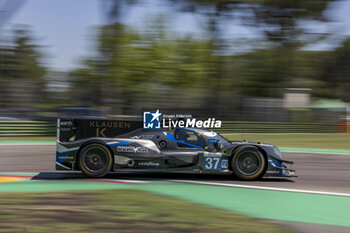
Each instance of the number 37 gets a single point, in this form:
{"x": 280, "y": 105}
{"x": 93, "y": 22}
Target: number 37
{"x": 212, "y": 163}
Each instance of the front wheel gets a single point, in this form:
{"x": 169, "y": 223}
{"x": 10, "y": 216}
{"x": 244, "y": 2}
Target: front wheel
{"x": 248, "y": 163}
{"x": 95, "y": 160}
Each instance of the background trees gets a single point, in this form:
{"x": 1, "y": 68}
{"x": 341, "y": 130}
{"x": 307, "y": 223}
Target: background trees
{"x": 22, "y": 76}
{"x": 156, "y": 67}
{"x": 133, "y": 69}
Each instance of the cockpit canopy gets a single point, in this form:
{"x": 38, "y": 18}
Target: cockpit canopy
{"x": 189, "y": 137}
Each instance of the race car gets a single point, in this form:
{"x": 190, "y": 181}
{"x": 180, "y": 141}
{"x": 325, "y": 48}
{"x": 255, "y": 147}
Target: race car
{"x": 97, "y": 147}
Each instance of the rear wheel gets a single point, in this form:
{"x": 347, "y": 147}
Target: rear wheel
{"x": 95, "y": 160}
{"x": 248, "y": 163}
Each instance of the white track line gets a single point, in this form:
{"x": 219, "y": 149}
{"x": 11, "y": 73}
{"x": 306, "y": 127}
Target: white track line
{"x": 129, "y": 181}
{"x": 264, "y": 188}
{"x": 318, "y": 152}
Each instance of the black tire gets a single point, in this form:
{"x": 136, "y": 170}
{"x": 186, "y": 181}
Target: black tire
{"x": 95, "y": 160}
{"x": 248, "y": 163}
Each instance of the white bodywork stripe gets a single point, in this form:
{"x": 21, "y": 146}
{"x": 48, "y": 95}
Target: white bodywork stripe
{"x": 144, "y": 142}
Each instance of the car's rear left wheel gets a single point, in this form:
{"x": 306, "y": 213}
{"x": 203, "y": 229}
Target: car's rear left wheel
{"x": 95, "y": 160}
{"x": 248, "y": 163}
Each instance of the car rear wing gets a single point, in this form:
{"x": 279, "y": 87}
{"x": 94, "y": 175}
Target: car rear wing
{"x": 69, "y": 130}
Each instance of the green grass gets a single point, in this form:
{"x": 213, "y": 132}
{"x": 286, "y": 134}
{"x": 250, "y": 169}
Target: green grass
{"x": 118, "y": 211}
{"x": 340, "y": 141}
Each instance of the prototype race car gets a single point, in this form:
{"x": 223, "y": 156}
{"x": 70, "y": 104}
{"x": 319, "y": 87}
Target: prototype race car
{"x": 97, "y": 147}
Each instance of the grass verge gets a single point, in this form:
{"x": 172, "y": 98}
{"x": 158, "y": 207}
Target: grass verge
{"x": 338, "y": 141}
{"x": 117, "y": 211}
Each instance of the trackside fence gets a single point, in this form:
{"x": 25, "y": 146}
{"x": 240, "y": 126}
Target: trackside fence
{"x": 278, "y": 127}
{"x": 27, "y": 129}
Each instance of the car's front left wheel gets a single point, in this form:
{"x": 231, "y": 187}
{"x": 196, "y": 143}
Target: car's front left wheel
{"x": 248, "y": 163}
{"x": 95, "y": 160}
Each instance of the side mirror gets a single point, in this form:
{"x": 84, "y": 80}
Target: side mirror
{"x": 214, "y": 141}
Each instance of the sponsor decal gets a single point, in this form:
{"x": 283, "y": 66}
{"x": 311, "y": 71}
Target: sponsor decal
{"x": 212, "y": 154}
{"x": 145, "y": 136}
{"x": 152, "y": 120}
{"x": 148, "y": 164}
{"x": 224, "y": 164}
{"x": 66, "y": 123}
{"x": 272, "y": 172}
{"x": 132, "y": 149}
{"x": 109, "y": 124}
{"x": 100, "y": 132}
{"x": 66, "y": 157}
{"x": 103, "y": 126}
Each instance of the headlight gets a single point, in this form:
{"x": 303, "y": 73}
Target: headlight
{"x": 277, "y": 150}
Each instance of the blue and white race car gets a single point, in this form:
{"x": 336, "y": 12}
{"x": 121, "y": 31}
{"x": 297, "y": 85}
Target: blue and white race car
{"x": 97, "y": 147}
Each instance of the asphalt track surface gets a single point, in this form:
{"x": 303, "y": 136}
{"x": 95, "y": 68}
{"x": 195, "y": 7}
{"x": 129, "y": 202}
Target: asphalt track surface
{"x": 316, "y": 172}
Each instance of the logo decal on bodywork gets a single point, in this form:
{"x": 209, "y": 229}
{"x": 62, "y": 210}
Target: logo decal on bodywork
{"x": 224, "y": 164}
{"x": 132, "y": 149}
{"x": 144, "y": 136}
{"x": 148, "y": 164}
{"x": 66, "y": 123}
